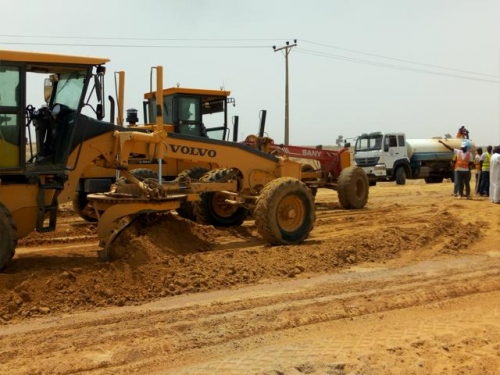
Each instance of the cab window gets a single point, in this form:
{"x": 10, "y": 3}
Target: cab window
{"x": 10, "y": 130}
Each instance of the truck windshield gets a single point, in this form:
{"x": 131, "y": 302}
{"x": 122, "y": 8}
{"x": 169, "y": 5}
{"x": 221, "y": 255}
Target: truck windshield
{"x": 69, "y": 89}
{"x": 369, "y": 143}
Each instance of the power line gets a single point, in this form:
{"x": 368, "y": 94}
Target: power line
{"x": 396, "y": 59}
{"x": 134, "y": 38}
{"x": 392, "y": 66}
{"x": 136, "y": 46}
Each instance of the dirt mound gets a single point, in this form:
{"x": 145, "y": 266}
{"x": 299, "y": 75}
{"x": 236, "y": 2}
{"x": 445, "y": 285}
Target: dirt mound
{"x": 150, "y": 238}
{"x": 165, "y": 255}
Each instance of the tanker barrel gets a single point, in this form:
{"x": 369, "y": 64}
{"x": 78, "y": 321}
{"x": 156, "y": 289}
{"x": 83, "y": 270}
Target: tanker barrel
{"x": 432, "y": 145}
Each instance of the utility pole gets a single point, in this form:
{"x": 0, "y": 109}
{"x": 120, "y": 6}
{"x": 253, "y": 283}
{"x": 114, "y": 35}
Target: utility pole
{"x": 286, "y": 51}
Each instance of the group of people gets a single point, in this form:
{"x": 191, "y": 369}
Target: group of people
{"x": 485, "y": 164}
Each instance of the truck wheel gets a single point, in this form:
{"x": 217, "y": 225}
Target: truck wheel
{"x": 186, "y": 209}
{"x": 353, "y": 188}
{"x": 212, "y": 207}
{"x": 8, "y": 237}
{"x": 284, "y": 212}
{"x": 400, "y": 176}
{"x": 434, "y": 180}
{"x": 80, "y": 202}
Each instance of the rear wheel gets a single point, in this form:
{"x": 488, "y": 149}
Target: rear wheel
{"x": 8, "y": 237}
{"x": 142, "y": 173}
{"x": 434, "y": 179}
{"x": 80, "y": 203}
{"x": 400, "y": 176}
{"x": 284, "y": 212}
{"x": 353, "y": 188}
{"x": 212, "y": 207}
{"x": 186, "y": 209}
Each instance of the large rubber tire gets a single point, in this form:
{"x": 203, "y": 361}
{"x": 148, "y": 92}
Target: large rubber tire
{"x": 143, "y": 173}
{"x": 353, "y": 188}
{"x": 284, "y": 212}
{"x": 212, "y": 208}
{"x": 400, "y": 176}
{"x": 8, "y": 237}
{"x": 186, "y": 209}
{"x": 80, "y": 201}
{"x": 434, "y": 179}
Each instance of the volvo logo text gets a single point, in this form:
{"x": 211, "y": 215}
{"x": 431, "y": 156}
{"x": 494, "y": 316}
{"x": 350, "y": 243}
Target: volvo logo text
{"x": 196, "y": 151}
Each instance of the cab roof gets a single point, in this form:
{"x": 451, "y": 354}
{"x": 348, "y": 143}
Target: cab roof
{"x": 208, "y": 95}
{"x": 40, "y": 61}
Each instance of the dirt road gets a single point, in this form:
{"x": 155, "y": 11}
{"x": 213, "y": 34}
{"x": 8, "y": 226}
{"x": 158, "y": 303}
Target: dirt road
{"x": 408, "y": 285}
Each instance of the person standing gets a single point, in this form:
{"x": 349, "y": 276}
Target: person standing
{"x": 477, "y": 167}
{"x": 495, "y": 176}
{"x": 462, "y": 168}
{"x": 484, "y": 187}
{"x": 455, "y": 181}
{"x": 462, "y": 132}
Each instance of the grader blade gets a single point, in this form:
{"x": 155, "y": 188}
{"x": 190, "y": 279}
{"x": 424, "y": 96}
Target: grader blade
{"x": 113, "y": 230}
{"x": 116, "y": 217}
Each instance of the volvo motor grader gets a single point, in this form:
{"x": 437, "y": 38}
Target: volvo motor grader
{"x": 33, "y": 181}
{"x": 191, "y": 111}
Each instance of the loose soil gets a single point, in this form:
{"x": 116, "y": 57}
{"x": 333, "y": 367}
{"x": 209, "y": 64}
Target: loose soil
{"x": 408, "y": 285}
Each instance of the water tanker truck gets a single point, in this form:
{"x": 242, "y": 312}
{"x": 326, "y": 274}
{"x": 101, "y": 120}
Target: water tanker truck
{"x": 393, "y": 157}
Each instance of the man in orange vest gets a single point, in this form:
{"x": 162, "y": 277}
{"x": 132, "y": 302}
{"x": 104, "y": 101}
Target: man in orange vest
{"x": 463, "y": 166}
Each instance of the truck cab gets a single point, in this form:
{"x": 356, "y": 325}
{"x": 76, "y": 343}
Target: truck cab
{"x": 381, "y": 155}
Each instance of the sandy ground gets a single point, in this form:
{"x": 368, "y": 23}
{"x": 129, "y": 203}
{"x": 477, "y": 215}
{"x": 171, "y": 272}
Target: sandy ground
{"x": 408, "y": 285}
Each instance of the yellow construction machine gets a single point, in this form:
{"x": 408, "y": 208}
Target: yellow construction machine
{"x": 33, "y": 181}
{"x": 191, "y": 111}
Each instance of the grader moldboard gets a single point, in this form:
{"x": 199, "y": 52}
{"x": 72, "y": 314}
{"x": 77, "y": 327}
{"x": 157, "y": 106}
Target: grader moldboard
{"x": 33, "y": 182}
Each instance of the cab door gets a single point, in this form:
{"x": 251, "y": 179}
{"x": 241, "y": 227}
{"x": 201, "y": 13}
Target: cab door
{"x": 11, "y": 117}
{"x": 394, "y": 149}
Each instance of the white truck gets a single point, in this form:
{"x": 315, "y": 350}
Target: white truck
{"x": 392, "y": 157}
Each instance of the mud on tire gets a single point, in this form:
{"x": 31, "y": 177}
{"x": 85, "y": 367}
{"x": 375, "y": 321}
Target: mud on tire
{"x": 8, "y": 237}
{"x": 212, "y": 208}
{"x": 285, "y": 213}
{"x": 353, "y": 188}
{"x": 80, "y": 201}
{"x": 186, "y": 209}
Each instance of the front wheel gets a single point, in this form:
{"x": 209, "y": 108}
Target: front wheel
{"x": 186, "y": 209}
{"x": 400, "y": 176}
{"x": 212, "y": 207}
{"x": 353, "y": 188}
{"x": 80, "y": 205}
{"x": 284, "y": 212}
{"x": 8, "y": 237}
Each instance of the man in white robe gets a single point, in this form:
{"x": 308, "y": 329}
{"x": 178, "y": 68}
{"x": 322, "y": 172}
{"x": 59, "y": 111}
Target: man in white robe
{"x": 495, "y": 175}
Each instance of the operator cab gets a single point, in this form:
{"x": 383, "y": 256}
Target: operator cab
{"x": 38, "y": 136}
{"x": 197, "y": 112}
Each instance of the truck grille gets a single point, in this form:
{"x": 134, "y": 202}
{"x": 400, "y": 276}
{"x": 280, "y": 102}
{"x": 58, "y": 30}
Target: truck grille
{"x": 367, "y": 162}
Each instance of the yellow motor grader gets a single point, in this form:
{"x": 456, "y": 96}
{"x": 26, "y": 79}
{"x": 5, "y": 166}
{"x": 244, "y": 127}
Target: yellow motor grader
{"x": 34, "y": 180}
{"x": 191, "y": 111}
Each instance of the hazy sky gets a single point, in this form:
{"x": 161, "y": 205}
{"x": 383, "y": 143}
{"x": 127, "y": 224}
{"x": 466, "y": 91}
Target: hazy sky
{"x": 424, "y": 67}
